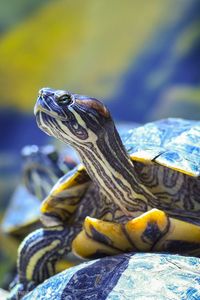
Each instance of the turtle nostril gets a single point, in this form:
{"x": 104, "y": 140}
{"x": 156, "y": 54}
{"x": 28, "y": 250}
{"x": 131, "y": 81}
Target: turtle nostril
{"x": 40, "y": 92}
{"x": 45, "y": 90}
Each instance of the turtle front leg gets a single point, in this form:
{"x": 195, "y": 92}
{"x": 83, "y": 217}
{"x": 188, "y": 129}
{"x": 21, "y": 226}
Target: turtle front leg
{"x": 38, "y": 255}
{"x": 153, "y": 231}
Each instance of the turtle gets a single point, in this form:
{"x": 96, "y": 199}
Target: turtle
{"x": 135, "y": 193}
{"x": 43, "y": 166}
{"x": 41, "y": 169}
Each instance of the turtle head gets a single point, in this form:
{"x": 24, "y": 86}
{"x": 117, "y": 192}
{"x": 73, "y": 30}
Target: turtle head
{"x": 72, "y": 118}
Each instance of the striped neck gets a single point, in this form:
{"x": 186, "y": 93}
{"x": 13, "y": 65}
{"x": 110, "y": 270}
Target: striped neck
{"x": 86, "y": 124}
{"x": 110, "y": 167}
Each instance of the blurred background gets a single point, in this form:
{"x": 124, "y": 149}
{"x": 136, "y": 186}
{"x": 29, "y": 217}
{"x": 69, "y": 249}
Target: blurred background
{"x": 142, "y": 58}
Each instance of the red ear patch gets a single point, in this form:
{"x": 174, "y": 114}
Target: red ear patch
{"x": 95, "y": 104}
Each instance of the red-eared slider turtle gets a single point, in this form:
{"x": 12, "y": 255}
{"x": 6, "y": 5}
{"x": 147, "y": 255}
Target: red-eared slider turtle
{"x": 136, "y": 194}
{"x": 41, "y": 169}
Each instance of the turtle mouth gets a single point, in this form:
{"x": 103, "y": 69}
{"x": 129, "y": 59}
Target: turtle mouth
{"x": 38, "y": 108}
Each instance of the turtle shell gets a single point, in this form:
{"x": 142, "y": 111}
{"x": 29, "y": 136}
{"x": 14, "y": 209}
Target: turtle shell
{"x": 174, "y": 143}
{"x": 125, "y": 276}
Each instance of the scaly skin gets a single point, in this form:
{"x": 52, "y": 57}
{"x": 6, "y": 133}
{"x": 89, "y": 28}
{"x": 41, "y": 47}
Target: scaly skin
{"x": 124, "y": 218}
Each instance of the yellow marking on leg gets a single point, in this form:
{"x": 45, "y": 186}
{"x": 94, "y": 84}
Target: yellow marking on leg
{"x": 86, "y": 247}
{"x": 136, "y": 227}
{"x": 37, "y": 256}
{"x": 170, "y": 230}
{"x": 180, "y": 231}
{"x": 112, "y": 232}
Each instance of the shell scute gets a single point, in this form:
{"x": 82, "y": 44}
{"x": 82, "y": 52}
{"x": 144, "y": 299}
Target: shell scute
{"x": 174, "y": 143}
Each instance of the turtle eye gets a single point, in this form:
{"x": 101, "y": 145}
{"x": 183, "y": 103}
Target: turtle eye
{"x": 64, "y": 99}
